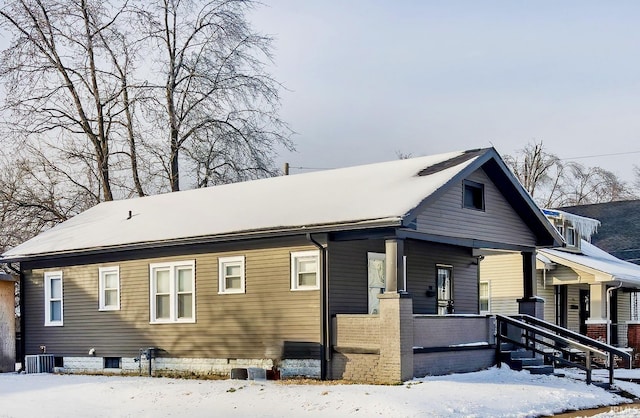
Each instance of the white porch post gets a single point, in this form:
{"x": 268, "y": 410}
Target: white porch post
{"x": 597, "y": 323}
{"x": 394, "y": 254}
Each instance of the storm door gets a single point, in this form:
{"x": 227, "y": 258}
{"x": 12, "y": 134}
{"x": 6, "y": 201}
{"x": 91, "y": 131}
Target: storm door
{"x": 376, "y": 283}
{"x": 584, "y": 310}
{"x": 445, "y": 286}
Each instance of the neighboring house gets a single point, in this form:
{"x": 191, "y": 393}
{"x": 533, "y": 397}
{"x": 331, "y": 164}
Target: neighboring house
{"x": 336, "y": 274}
{"x": 620, "y": 232}
{"x": 7, "y": 323}
{"x": 584, "y": 287}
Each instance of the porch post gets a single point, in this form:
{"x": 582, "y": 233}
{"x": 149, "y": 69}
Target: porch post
{"x": 396, "y": 320}
{"x": 597, "y": 322}
{"x": 530, "y": 304}
{"x": 394, "y": 254}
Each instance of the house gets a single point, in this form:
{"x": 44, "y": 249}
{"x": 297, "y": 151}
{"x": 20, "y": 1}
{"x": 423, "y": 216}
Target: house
{"x": 586, "y": 289}
{"x": 356, "y": 273}
{"x": 7, "y": 323}
{"x": 620, "y": 232}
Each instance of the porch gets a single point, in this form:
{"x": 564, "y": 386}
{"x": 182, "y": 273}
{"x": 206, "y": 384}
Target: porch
{"x": 377, "y": 349}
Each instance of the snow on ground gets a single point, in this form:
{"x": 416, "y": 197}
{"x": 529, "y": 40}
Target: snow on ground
{"x": 490, "y": 393}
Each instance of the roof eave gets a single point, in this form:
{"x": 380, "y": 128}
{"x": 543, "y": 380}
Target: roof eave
{"x": 236, "y": 236}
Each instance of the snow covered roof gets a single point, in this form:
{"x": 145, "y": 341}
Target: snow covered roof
{"x": 585, "y": 226}
{"x": 374, "y": 194}
{"x": 598, "y": 262}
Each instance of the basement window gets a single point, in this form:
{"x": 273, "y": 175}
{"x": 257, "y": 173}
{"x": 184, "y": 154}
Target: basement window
{"x": 113, "y": 362}
{"x": 473, "y": 195}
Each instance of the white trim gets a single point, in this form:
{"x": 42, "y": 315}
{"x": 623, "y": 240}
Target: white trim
{"x": 295, "y": 257}
{"x": 172, "y": 268}
{"x": 488, "y": 296}
{"x": 48, "y": 276}
{"x": 102, "y": 272}
{"x": 222, "y": 263}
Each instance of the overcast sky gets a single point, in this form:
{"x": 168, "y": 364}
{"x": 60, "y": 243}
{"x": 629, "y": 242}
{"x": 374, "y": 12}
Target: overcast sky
{"x": 367, "y": 79}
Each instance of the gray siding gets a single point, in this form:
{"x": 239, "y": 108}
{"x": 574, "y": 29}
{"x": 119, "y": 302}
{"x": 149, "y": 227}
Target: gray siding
{"x": 499, "y": 222}
{"x": 266, "y": 321}
{"x": 422, "y": 258}
{"x": 348, "y": 275}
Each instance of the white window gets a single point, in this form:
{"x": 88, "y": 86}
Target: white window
{"x": 53, "y": 309}
{"x": 172, "y": 290}
{"x": 305, "y": 270}
{"x": 109, "y": 286}
{"x": 485, "y": 297}
{"x": 571, "y": 236}
{"x": 231, "y": 275}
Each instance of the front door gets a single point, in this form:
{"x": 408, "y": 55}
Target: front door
{"x": 376, "y": 272}
{"x": 584, "y": 310}
{"x": 445, "y": 294}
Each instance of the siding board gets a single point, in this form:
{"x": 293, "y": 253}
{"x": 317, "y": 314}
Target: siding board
{"x": 262, "y": 323}
{"x": 499, "y": 222}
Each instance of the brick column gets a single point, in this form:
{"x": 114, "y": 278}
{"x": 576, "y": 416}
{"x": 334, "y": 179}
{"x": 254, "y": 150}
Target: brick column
{"x": 633, "y": 341}
{"x": 396, "y": 338}
{"x": 7, "y": 325}
{"x": 597, "y": 329}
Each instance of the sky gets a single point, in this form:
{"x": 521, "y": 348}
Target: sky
{"x": 490, "y": 393}
{"x": 367, "y": 80}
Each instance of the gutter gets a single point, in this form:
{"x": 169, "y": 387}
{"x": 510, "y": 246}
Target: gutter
{"x": 325, "y": 336}
{"x": 205, "y": 239}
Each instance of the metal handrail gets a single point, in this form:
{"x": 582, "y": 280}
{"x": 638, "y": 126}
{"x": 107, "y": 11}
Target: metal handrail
{"x": 562, "y": 341}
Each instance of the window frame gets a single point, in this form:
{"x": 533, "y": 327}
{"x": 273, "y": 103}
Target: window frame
{"x": 571, "y": 232}
{"x": 223, "y": 262}
{"x": 296, "y": 256}
{"x": 173, "y": 268}
{"x": 48, "y": 299}
{"x": 469, "y": 184}
{"x": 102, "y": 272}
{"x": 488, "y": 283}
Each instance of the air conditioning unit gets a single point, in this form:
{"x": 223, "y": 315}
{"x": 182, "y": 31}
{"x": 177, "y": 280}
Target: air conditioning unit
{"x": 40, "y": 363}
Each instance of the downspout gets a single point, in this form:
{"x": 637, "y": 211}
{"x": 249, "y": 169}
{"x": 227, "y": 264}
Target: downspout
{"x": 609, "y": 291}
{"x": 325, "y": 337}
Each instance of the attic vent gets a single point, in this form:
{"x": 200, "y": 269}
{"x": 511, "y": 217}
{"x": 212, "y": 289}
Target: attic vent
{"x": 452, "y": 162}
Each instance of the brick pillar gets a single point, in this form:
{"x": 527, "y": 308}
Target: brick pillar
{"x": 633, "y": 341}
{"x": 7, "y": 326}
{"x": 396, "y": 338}
{"x": 597, "y": 329}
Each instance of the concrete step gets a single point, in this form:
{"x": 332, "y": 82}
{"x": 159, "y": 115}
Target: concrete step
{"x": 543, "y": 369}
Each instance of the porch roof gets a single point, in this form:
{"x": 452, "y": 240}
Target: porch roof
{"x": 596, "y": 261}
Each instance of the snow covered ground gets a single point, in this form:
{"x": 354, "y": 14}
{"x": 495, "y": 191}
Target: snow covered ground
{"x": 489, "y": 393}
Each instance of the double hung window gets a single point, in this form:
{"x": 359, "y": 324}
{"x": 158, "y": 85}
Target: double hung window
{"x": 109, "y": 287}
{"x": 172, "y": 289}
{"x": 53, "y": 302}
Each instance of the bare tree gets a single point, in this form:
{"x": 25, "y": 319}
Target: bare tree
{"x": 555, "y": 183}
{"x": 58, "y": 81}
{"x": 220, "y": 107}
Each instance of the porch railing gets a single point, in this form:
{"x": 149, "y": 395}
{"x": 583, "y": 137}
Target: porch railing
{"x": 556, "y": 343}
